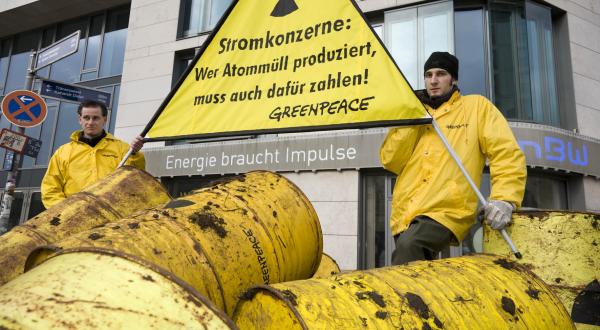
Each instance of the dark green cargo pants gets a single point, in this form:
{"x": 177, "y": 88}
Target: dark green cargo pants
{"x": 423, "y": 240}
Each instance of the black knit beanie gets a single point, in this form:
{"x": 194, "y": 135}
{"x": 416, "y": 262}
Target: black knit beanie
{"x": 443, "y": 60}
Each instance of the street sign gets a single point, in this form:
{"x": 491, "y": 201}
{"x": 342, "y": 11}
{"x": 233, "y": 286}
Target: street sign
{"x": 58, "y": 50}
{"x": 20, "y": 143}
{"x": 24, "y": 108}
{"x": 8, "y": 161}
{"x": 74, "y": 93}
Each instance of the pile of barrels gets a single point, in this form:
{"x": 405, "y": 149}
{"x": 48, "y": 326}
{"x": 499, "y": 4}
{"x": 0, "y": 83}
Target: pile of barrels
{"x": 247, "y": 253}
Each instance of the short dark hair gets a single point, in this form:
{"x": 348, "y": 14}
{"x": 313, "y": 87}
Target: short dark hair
{"x": 92, "y": 104}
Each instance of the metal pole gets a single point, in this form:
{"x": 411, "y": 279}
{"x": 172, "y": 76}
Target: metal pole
{"x": 127, "y": 155}
{"x": 11, "y": 181}
{"x": 472, "y": 184}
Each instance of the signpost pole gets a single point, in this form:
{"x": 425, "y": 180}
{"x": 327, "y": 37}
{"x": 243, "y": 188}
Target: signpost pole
{"x": 11, "y": 181}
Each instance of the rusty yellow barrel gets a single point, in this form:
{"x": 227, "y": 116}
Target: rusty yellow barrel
{"x": 327, "y": 267}
{"x": 257, "y": 228}
{"x": 475, "y": 292}
{"x": 118, "y": 195}
{"x": 87, "y": 289}
{"x": 563, "y": 249}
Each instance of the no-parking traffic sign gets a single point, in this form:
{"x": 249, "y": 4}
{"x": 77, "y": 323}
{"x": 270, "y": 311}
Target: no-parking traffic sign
{"x": 24, "y": 108}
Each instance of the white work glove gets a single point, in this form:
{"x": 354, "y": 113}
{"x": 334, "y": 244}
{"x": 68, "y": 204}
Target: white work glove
{"x": 498, "y": 214}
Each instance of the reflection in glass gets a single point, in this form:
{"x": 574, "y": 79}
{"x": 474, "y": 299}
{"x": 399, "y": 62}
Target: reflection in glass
{"x": 115, "y": 106}
{"x": 93, "y": 46}
{"x": 524, "y": 75}
{"x": 375, "y": 221}
{"x": 413, "y": 34}
{"x": 15, "y": 209}
{"x": 545, "y": 192}
{"x": 68, "y": 122}
{"x": 68, "y": 69}
{"x": 113, "y": 46}
{"x": 4, "y": 53}
{"x": 46, "y": 136}
{"x": 378, "y": 30}
{"x": 401, "y": 39}
{"x": 541, "y": 59}
{"x": 35, "y": 205}
{"x": 33, "y": 132}
{"x": 4, "y": 123}
{"x": 19, "y": 61}
{"x": 201, "y": 15}
{"x": 470, "y": 50}
{"x": 435, "y": 33}
{"x": 216, "y": 11}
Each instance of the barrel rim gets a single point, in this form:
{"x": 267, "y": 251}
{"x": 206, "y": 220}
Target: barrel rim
{"x": 253, "y": 290}
{"x": 548, "y": 211}
{"x": 161, "y": 271}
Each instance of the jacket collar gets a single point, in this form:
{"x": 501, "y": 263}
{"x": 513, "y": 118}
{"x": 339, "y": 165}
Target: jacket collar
{"x": 75, "y": 138}
{"x": 445, "y": 107}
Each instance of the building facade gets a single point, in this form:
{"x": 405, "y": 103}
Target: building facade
{"x": 536, "y": 60}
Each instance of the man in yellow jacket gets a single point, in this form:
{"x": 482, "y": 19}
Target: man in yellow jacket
{"x": 433, "y": 204}
{"x": 91, "y": 155}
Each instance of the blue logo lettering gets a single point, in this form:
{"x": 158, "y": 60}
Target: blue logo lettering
{"x": 556, "y": 149}
{"x": 577, "y": 160}
{"x": 536, "y": 147}
{"x": 559, "y": 148}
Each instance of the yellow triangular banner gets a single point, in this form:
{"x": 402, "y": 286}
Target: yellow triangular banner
{"x": 284, "y": 66}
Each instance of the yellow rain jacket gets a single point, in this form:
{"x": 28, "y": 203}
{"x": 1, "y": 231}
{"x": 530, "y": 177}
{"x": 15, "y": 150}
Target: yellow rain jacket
{"x": 76, "y": 165}
{"x": 429, "y": 181}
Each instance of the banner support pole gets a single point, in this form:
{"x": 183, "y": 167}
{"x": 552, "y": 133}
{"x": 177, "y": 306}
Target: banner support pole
{"x": 127, "y": 155}
{"x": 472, "y": 184}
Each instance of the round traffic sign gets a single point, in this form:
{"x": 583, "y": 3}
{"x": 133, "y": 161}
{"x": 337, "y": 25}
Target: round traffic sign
{"x": 24, "y": 108}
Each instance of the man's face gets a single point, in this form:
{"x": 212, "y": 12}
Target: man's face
{"x": 91, "y": 121}
{"x": 438, "y": 82}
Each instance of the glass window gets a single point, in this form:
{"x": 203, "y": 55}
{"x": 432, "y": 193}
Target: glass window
{"x": 15, "y": 209}
{"x": 68, "y": 122}
{"x": 48, "y": 36}
{"x": 112, "y": 111}
{"x": 47, "y": 135}
{"x": 400, "y": 35}
{"x": 19, "y": 61}
{"x": 375, "y": 222}
{"x": 35, "y": 205}
{"x": 182, "y": 60}
{"x": 412, "y": 34}
{"x": 200, "y": 15}
{"x": 541, "y": 72}
{"x": 470, "y": 49}
{"x": 4, "y": 60}
{"x": 378, "y": 28}
{"x": 545, "y": 191}
{"x": 68, "y": 69}
{"x": 113, "y": 46}
{"x": 93, "y": 44}
{"x": 522, "y": 61}
{"x": 4, "y": 123}
{"x": 34, "y": 132}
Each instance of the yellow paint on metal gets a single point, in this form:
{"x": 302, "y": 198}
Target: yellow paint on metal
{"x": 474, "y": 292}
{"x": 327, "y": 267}
{"x": 118, "y": 195}
{"x": 257, "y": 228}
{"x": 561, "y": 247}
{"x": 95, "y": 289}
